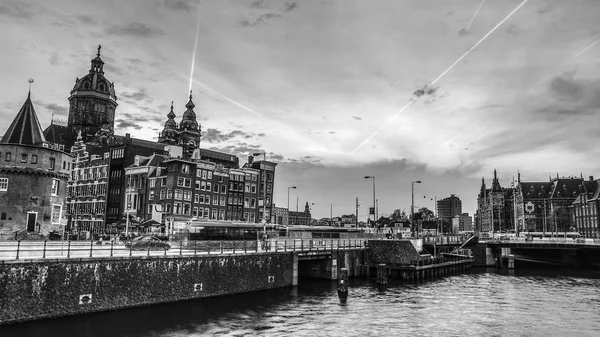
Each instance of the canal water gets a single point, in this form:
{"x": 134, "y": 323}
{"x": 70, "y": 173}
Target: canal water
{"x": 483, "y": 303}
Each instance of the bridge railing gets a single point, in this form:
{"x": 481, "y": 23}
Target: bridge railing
{"x": 549, "y": 241}
{"x": 77, "y": 249}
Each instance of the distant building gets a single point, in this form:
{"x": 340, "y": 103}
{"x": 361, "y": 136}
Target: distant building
{"x": 447, "y": 209}
{"x": 462, "y": 223}
{"x": 301, "y": 218}
{"x": 281, "y": 216}
{"x": 586, "y": 209}
{"x": 33, "y": 179}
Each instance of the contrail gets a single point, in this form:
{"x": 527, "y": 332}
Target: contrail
{"x": 479, "y": 42}
{"x": 194, "y": 54}
{"x": 238, "y": 104}
{"x": 474, "y": 15}
{"x": 442, "y": 75}
{"x": 583, "y": 51}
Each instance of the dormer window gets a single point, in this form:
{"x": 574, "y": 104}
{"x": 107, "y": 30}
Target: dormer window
{"x": 101, "y": 87}
{"x": 86, "y": 85}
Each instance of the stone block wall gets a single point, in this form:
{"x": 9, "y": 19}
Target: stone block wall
{"x": 392, "y": 252}
{"x": 51, "y": 288}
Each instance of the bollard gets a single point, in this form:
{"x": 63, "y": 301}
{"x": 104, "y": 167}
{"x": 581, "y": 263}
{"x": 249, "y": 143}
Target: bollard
{"x": 180, "y": 248}
{"x": 245, "y": 250}
{"x": 221, "y": 246}
{"x": 195, "y": 246}
{"x": 285, "y": 246}
{"x": 91, "y": 247}
{"x": 233, "y": 243}
{"x": 111, "y": 248}
{"x": 130, "y": 247}
{"x": 148, "y": 247}
{"x": 68, "y": 249}
{"x": 381, "y": 274}
{"x": 301, "y": 244}
{"x": 18, "y": 248}
{"x": 343, "y": 285}
{"x": 208, "y": 247}
{"x": 44, "y": 254}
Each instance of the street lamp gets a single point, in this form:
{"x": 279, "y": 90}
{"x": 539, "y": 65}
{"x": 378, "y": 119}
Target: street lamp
{"x": 412, "y": 204}
{"x": 288, "y": 208}
{"x": 372, "y": 177}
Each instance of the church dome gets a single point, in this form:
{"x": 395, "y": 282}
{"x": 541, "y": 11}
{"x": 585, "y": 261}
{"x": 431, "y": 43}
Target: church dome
{"x": 95, "y": 82}
{"x": 189, "y": 116}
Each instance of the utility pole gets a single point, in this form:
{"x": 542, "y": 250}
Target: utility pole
{"x": 357, "y": 212}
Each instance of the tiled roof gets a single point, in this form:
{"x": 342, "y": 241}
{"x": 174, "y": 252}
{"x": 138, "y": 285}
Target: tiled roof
{"x": 536, "y": 189}
{"x": 25, "y": 128}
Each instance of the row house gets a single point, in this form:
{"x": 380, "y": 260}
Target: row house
{"x": 252, "y": 211}
{"x": 87, "y": 190}
{"x": 235, "y": 198}
{"x": 586, "y": 209}
{"x": 266, "y": 187}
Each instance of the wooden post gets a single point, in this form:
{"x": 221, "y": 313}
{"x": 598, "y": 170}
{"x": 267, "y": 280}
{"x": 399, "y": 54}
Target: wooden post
{"x": 343, "y": 285}
{"x": 381, "y": 274}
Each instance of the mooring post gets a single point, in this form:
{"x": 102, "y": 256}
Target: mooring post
{"x": 68, "y": 250}
{"x": 381, "y": 274}
{"x": 91, "y": 247}
{"x": 44, "y": 255}
{"x": 343, "y": 285}
{"x": 19, "y": 248}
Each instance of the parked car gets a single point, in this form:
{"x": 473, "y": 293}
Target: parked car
{"x": 146, "y": 242}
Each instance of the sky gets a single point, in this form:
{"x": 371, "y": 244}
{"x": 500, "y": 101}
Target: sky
{"x": 329, "y": 89}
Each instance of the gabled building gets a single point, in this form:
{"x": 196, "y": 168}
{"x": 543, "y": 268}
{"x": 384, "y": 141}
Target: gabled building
{"x": 33, "y": 179}
{"x": 586, "y": 209}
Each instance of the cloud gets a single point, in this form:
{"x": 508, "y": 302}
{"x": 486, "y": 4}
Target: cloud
{"x": 547, "y": 9}
{"x": 290, "y": 7}
{"x": 463, "y": 32}
{"x": 135, "y": 96}
{"x": 512, "y": 29}
{"x": 216, "y": 136}
{"x": 182, "y": 5}
{"x": 357, "y": 118}
{"x": 16, "y": 9}
{"x": 260, "y": 4}
{"x": 135, "y": 29}
{"x": 578, "y": 93}
{"x": 87, "y": 19}
{"x": 57, "y": 109}
{"x": 123, "y": 124}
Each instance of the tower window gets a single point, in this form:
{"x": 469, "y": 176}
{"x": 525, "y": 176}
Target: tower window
{"x": 23, "y": 157}
{"x": 86, "y": 85}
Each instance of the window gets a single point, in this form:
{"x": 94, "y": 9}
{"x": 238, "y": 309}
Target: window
{"x": 197, "y": 185}
{"x": 216, "y": 188}
{"x": 168, "y": 208}
{"x": 185, "y": 168}
{"x": 214, "y": 213}
{"x": 23, "y": 157}
{"x": 209, "y": 175}
{"x": 221, "y": 214}
{"x": 253, "y": 189}
{"x": 186, "y": 209}
{"x": 152, "y": 183}
{"x": 253, "y": 203}
{"x": 207, "y": 200}
{"x": 203, "y": 174}
{"x": 177, "y": 208}
{"x": 3, "y": 184}
{"x": 222, "y": 201}
{"x": 162, "y": 194}
{"x": 246, "y": 202}
{"x": 34, "y": 158}
{"x": 56, "y": 213}
{"x": 206, "y": 212}
{"x": 220, "y": 179}
{"x": 208, "y": 186}
{"x": 203, "y": 186}
{"x": 163, "y": 181}
{"x": 215, "y": 200}
{"x": 195, "y": 212}
{"x": 55, "y": 185}
{"x": 169, "y": 193}
{"x": 3, "y": 216}
{"x": 201, "y": 212}
{"x": 201, "y": 199}
{"x": 248, "y": 188}
{"x": 223, "y": 189}
{"x": 187, "y": 195}
{"x": 196, "y": 198}
{"x": 178, "y": 194}
{"x": 8, "y": 156}
{"x": 52, "y": 163}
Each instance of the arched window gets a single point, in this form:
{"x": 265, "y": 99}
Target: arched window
{"x": 101, "y": 87}
{"x": 86, "y": 85}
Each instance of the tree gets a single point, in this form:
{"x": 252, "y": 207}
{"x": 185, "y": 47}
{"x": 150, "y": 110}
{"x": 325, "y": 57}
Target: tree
{"x": 398, "y": 215}
{"x": 560, "y": 220}
{"x": 426, "y": 213}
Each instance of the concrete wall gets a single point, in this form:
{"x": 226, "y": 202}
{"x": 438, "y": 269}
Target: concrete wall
{"x": 392, "y": 251}
{"x": 50, "y": 288}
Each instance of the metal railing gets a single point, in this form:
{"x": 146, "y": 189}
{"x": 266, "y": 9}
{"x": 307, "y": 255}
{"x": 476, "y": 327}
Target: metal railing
{"x": 548, "y": 241}
{"x": 27, "y": 250}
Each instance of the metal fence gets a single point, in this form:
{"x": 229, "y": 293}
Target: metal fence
{"x": 20, "y": 250}
{"x": 548, "y": 241}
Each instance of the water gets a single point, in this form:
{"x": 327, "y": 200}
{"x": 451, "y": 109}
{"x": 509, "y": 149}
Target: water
{"x": 532, "y": 303}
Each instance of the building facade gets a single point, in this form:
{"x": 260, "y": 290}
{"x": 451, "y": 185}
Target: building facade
{"x": 586, "y": 210}
{"x": 447, "y": 209}
{"x": 33, "y": 179}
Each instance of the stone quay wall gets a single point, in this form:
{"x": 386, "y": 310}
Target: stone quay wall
{"x": 392, "y": 252}
{"x": 31, "y": 290}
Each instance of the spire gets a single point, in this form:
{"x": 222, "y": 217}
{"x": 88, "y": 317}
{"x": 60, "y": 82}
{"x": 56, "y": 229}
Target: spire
{"x": 99, "y": 46}
{"x": 171, "y": 114}
{"x": 29, "y": 93}
{"x": 97, "y": 63}
{"x": 519, "y": 177}
{"x": 496, "y": 184}
{"x": 25, "y": 129}
{"x": 190, "y": 105}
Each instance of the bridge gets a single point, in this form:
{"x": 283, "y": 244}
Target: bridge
{"x": 550, "y": 251}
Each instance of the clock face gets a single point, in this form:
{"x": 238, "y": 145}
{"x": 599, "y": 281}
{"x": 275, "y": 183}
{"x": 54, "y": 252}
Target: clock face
{"x": 529, "y": 207}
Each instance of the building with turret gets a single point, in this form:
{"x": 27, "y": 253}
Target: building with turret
{"x": 33, "y": 179}
{"x": 186, "y": 135}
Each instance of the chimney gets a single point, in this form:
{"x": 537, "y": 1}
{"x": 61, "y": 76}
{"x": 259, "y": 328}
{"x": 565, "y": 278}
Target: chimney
{"x": 591, "y": 178}
{"x": 250, "y": 159}
{"x": 127, "y": 135}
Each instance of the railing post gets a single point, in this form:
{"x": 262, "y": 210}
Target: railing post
{"x": 69, "y": 249}
{"x": 180, "y": 248}
{"x": 208, "y": 247}
{"x": 233, "y": 242}
{"x": 130, "y": 247}
{"x": 221, "y": 246}
{"x": 195, "y": 244}
{"x": 285, "y": 246}
{"x": 301, "y": 244}
{"x": 91, "y": 247}
{"x": 245, "y": 247}
{"x": 276, "y": 246}
{"x": 18, "y": 248}
{"x": 44, "y": 254}
{"x": 111, "y": 248}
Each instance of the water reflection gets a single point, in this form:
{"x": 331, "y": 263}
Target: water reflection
{"x": 534, "y": 302}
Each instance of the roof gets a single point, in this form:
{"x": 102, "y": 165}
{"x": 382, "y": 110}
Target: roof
{"x": 54, "y": 132}
{"x": 140, "y": 142}
{"x": 204, "y": 153}
{"x": 536, "y": 189}
{"x": 25, "y": 128}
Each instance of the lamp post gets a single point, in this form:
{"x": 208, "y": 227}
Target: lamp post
{"x": 264, "y": 190}
{"x": 412, "y": 204}
{"x": 374, "y": 202}
{"x": 288, "y": 207}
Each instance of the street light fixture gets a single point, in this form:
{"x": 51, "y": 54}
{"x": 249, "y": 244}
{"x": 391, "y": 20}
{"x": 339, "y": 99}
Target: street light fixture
{"x": 412, "y": 205}
{"x": 372, "y": 177}
{"x": 288, "y": 207}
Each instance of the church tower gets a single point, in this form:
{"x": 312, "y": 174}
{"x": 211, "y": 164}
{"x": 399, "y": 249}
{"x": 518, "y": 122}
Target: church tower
{"x": 189, "y": 130}
{"x": 92, "y": 102}
{"x": 169, "y": 133}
